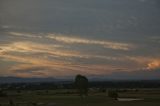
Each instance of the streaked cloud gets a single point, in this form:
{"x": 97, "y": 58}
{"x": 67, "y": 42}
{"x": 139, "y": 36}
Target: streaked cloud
{"x": 78, "y": 40}
{"x": 106, "y": 44}
{"x": 24, "y": 35}
{"x": 31, "y": 47}
{"x": 35, "y": 59}
{"x": 54, "y": 50}
{"x": 47, "y": 59}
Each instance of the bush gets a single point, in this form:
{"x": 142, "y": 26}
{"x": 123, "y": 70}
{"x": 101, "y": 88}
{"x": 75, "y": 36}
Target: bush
{"x": 11, "y": 103}
{"x": 103, "y": 90}
{"x": 18, "y": 91}
{"x": 113, "y": 94}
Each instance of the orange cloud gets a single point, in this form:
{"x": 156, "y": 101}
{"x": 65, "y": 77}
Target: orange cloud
{"x": 48, "y": 49}
{"x": 30, "y": 47}
{"x": 154, "y": 64}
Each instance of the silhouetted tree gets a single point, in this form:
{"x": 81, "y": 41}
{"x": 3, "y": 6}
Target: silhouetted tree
{"x": 81, "y": 83}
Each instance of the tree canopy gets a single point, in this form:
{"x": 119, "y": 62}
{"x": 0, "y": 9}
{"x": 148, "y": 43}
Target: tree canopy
{"x": 81, "y": 83}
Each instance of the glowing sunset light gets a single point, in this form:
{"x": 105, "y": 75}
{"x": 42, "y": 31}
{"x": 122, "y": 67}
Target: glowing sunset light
{"x": 53, "y": 38}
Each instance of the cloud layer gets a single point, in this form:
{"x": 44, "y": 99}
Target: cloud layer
{"x": 57, "y": 58}
{"x": 58, "y": 38}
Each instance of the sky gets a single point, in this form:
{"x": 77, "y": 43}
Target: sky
{"x": 52, "y": 38}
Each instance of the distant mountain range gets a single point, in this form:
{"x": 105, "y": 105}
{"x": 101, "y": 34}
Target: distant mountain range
{"x": 11, "y": 79}
{"x": 135, "y": 75}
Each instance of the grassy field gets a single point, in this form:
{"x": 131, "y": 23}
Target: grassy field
{"x": 151, "y": 97}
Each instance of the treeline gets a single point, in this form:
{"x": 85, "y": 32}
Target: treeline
{"x": 36, "y": 86}
{"x": 126, "y": 84}
{"x": 70, "y": 85}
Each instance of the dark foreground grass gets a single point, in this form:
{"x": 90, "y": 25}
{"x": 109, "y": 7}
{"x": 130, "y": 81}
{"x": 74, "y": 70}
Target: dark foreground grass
{"x": 151, "y": 98}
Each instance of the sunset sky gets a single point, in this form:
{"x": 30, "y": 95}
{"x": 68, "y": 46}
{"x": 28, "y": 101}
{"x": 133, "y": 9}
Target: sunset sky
{"x": 49, "y": 38}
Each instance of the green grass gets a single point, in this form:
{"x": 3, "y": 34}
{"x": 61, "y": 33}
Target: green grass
{"x": 61, "y": 98}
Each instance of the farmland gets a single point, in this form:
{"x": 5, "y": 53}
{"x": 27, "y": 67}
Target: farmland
{"x": 69, "y": 97}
